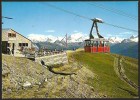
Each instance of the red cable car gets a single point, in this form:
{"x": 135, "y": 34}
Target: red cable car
{"x": 96, "y": 44}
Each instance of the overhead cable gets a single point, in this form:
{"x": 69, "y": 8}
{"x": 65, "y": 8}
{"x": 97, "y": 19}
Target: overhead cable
{"x": 70, "y": 12}
{"x": 116, "y": 11}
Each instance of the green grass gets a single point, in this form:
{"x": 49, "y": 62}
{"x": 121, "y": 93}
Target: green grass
{"x": 131, "y": 72}
{"x": 107, "y": 81}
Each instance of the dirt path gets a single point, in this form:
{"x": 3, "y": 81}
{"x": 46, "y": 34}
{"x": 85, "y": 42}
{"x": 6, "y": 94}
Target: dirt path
{"x": 119, "y": 69}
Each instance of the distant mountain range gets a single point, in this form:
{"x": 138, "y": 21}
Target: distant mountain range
{"x": 76, "y": 37}
{"x": 116, "y": 40}
{"x": 126, "y": 47}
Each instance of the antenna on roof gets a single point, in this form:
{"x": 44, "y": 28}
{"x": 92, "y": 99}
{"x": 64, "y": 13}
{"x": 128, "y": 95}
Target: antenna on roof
{"x": 6, "y": 18}
{"x": 66, "y": 40}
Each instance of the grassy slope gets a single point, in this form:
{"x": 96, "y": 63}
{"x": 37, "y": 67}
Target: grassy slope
{"x": 131, "y": 70}
{"x": 107, "y": 81}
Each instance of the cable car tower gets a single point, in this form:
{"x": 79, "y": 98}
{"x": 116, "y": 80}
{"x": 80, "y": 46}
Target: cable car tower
{"x": 99, "y": 44}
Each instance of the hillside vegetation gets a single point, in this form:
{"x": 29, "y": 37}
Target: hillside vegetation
{"x": 23, "y": 78}
{"x": 107, "y": 81}
{"x": 96, "y": 75}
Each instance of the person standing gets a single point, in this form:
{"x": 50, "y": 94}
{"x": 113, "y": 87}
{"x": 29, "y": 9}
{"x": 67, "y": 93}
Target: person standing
{"x": 13, "y": 52}
{"x": 8, "y": 50}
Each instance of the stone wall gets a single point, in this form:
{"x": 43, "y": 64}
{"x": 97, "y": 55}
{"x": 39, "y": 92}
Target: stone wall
{"x": 53, "y": 59}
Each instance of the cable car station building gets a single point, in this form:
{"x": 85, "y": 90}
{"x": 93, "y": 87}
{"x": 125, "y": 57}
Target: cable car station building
{"x": 99, "y": 44}
{"x": 13, "y": 40}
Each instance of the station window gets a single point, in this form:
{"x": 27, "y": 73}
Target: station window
{"x": 20, "y": 44}
{"x": 8, "y": 45}
{"x": 23, "y": 44}
{"x": 11, "y": 35}
{"x": 26, "y": 44}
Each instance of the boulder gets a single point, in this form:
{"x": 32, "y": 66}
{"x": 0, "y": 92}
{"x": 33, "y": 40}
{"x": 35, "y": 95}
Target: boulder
{"x": 27, "y": 84}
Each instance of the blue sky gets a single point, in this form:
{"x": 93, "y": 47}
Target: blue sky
{"x": 39, "y": 18}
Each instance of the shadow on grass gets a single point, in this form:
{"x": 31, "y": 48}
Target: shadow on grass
{"x": 130, "y": 92}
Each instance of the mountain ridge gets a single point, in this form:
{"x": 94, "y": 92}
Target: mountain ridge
{"x": 79, "y": 38}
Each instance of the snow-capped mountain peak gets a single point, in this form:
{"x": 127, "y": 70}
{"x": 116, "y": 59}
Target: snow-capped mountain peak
{"x": 77, "y": 37}
{"x": 115, "y": 40}
{"x": 131, "y": 39}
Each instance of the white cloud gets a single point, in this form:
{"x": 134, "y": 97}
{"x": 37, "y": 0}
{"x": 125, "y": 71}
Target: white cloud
{"x": 75, "y": 31}
{"x": 125, "y": 33}
{"x": 50, "y": 31}
{"x": 109, "y": 35}
{"x": 42, "y": 38}
{"x": 78, "y": 37}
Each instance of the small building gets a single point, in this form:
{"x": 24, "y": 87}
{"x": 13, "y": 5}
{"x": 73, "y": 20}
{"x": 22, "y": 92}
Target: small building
{"x": 12, "y": 40}
{"x": 97, "y": 45}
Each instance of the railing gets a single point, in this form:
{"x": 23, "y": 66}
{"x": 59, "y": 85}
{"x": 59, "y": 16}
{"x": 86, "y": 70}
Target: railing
{"x": 41, "y": 54}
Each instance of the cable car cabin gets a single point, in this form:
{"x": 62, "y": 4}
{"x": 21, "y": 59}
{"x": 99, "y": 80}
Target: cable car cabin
{"x": 97, "y": 45}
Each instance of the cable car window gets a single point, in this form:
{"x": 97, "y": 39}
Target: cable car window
{"x": 85, "y": 43}
{"x": 100, "y": 43}
{"x": 91, "y": 43}
{"x": 108, "y": 43}
{"x": 88, "y": 43}
{"x": 97, "y": 43}
{"x": 105, "y": 44}
{"x": 94, "y": 44}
